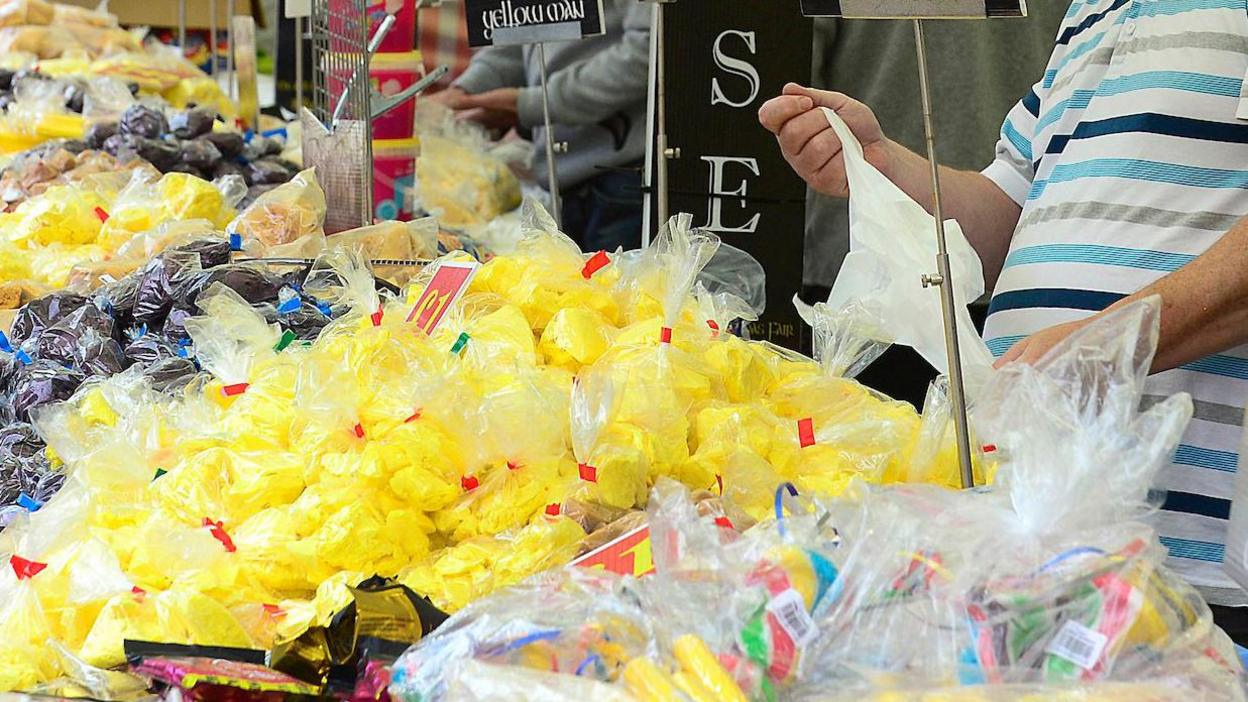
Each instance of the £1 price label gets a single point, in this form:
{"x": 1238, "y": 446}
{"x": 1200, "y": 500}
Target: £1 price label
{"x": 630, "y": 554}
{"x": 447, "y": 285}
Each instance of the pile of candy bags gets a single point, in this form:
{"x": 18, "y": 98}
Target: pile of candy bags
{"x": 1046, "y": 586}
{"x": 237, "y": 509}
{"x": 78, "y": 45}
{"x": 49, "y": 234}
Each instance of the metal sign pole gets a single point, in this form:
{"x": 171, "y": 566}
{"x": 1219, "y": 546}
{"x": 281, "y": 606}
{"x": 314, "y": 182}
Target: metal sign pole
{"x": 182, "y": 26}
{"x": 552, "y": 175}
{"x": 944, "y": 277}
{"x": 230, "y": 78}
{"x": 212, "y": 37}
{"x": 299, "y": 32}
{"x": 662, "y": 207}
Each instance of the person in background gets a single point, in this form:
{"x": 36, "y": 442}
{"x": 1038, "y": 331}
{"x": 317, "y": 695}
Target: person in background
{"x": 978, "y": 70}
{"x": 598, "y": 89}
{"x": 1120, "y": 175}
{"x": 442, "y": 39}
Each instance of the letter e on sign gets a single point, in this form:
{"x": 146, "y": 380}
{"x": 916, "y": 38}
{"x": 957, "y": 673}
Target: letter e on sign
{"x": 715, "y": 217}
{"x": 448, "y": 283}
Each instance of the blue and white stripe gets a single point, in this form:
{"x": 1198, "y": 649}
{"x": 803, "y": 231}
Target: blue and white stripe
{"x": 1129, "y": 162}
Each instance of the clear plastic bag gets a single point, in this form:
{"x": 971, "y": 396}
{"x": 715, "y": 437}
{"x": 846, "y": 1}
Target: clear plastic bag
{"x": 18, "y": 12}
{"x": 343, "y": 276}
{"x": 892, "y": 237}
{"x": 458, "y": 178}
{"x": 284, "y": 215}
{"x": 231, "y": 338}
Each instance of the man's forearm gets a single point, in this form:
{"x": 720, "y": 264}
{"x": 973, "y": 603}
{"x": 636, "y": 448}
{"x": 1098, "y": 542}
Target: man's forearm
{"x": 1204, "y": 305}
{"x": 988, "y": 216}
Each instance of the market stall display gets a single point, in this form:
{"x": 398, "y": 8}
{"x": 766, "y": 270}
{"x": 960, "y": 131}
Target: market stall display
{"x": 1046, "y": 587}
{"x": 97, "y": 203}
{"x": 243, "y": 502}
{"x": 78, "y": 53}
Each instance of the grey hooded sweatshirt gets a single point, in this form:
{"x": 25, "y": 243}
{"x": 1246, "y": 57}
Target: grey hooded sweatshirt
{"x": 597, "y": 92}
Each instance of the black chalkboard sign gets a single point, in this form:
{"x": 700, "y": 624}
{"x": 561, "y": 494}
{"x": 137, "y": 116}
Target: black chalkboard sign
{"x": 731, "y": 175}
{"x": 502, "y": 22}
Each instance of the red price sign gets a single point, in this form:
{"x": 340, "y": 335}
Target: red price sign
{"x": 628, "y": 555}
{"x": 448, "y": 284}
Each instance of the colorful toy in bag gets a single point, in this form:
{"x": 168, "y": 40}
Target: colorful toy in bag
{"x": 1023, "y": 591}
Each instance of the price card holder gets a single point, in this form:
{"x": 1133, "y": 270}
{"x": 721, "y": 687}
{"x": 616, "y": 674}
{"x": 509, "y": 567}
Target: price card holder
{"x": 445, "y": 288}
{"x": 510, "y": 22}
{"x": 630, "y": 554}
{"x": 914, "y": 9}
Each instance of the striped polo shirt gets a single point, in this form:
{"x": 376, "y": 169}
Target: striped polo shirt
{"x": 1128, "y": 161}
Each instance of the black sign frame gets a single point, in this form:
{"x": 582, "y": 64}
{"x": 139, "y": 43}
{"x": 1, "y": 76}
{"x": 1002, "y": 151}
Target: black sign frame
{"x": 532, "y": 21}
{"x": 904, "y": 9}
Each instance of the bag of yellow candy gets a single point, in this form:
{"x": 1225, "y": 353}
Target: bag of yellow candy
{"x": 231, "y": 339}
{"x": 62, "y": 214}
{"x": 461, "y": 182}
{"x": 547, "y": 275}
{"x": 840, "y": 429}
{"x": 517, "y": 443}
{"x": 145, "y": 203}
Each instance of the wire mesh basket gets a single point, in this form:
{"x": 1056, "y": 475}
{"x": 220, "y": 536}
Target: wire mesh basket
{"x": 337, "y": 132}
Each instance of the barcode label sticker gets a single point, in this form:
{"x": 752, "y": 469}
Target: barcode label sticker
{"x": 789, "y": 609}
{"x": 1078, "y": 644}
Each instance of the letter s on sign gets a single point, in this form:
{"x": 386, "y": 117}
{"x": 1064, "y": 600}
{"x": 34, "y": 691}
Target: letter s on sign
{"x": 735, "y": 66}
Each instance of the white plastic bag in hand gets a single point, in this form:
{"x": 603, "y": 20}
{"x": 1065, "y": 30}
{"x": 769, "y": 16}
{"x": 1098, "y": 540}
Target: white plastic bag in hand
{"x": 892, "y": 242}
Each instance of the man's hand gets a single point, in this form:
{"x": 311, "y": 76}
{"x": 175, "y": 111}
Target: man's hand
{"x": 808, "y": 142}
{"x": 1034, "y": 347}
{"x": 494, "y": 109}
{"x": 451, "y": 97}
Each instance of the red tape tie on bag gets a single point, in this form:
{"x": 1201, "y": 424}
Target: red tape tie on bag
{"x": 806, "y": 432}
{"x": 235, "y": 389}
{"x": 376, "y": 317}
{"x": 595, "y": 263}
{"x": 358, "y": 429}
{"x": 469, "y": 483}
{"x": 101, "y": 214}
{"x": 724, "y": 523}
{"x": 552, "y": 509}
{"x": 139, "y": 593}
{"x": 512, "y": 465}
{"x": 414, "y": 417}
{"x": 665, "y": 335}
{"x": 217, "y": 529}
{"x": 588, "y": 473}
{"x": 24, "y": 569}
{"x": 714, "y": 328}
